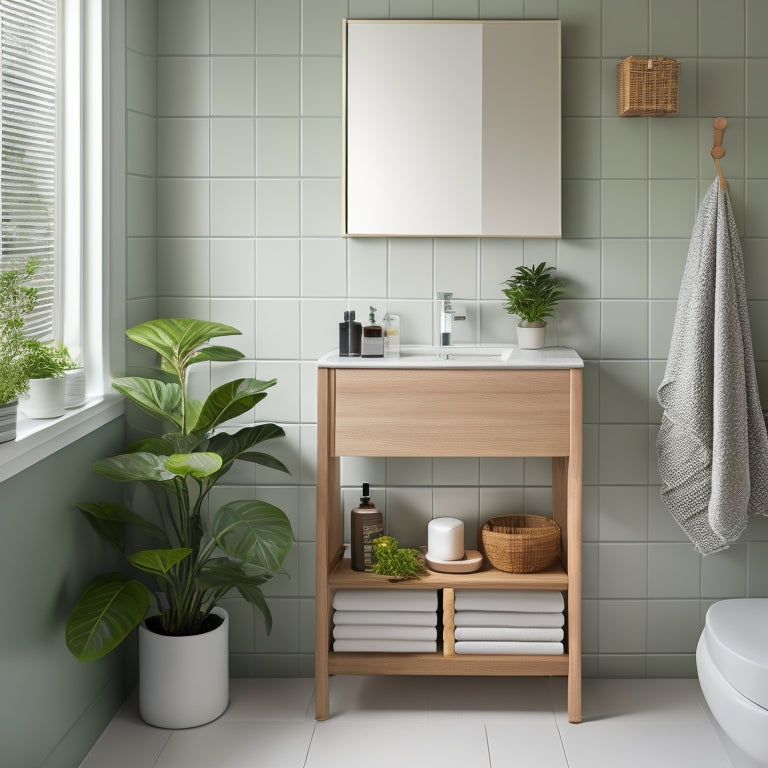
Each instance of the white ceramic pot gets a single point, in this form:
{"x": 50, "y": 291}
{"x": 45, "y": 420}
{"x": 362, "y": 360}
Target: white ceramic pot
{"x": 8, "y": 415}
{"x": 531, "y": 336}
{"x": 75, "y": 396}
{"x": 184, "y": 681}
{"x": 45, "y": 398}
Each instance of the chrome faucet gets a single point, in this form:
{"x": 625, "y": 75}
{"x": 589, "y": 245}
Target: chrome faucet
{"x": 447, "y": 313}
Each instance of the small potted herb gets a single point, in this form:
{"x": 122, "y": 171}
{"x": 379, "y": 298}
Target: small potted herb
{"x": 46, "y": 365}
{"x": 17, "y": 299}
{"x": 532, "y": 294}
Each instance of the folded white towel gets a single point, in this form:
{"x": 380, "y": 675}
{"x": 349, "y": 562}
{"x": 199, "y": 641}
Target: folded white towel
{"x": 524, "y": 634}
{"x": 385, "y": 646}
{"x": 383, "y": 632}
{"x": 507, "y": 619}
{"x": 410, "y": 618}
{"x": 385, "y": 600}
{"x": 546, "y": 601}
{"x": 537, "y": 649}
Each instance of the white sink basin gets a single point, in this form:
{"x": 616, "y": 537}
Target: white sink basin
{"x": 456, "y": 353}
{"x": 470, "y": 356}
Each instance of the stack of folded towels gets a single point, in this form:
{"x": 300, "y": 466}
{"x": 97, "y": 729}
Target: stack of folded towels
{"x": 384, "y": 620}
{"x": 508, "y": 621}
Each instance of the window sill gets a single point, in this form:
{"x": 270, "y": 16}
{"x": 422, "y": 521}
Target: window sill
{"x": 36, "y": 439}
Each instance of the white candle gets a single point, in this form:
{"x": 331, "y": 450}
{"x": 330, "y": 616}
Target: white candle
{"x": 445, "y": 539}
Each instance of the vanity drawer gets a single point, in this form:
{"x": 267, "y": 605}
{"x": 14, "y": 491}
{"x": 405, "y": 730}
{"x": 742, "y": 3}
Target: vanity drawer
{"x": 450, "y": 412}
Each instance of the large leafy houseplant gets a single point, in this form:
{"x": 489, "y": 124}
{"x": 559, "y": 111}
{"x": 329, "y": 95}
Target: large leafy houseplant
{"x": 196, "y": 560}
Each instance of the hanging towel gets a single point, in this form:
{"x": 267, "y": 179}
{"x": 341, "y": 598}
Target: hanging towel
{"x": 531, "y": 601}
{"x": 523, "y": 634}
{"x": 712, "y": 446}
{"x": 411, "y": 618}
{"x": 383, "y": 632}
{"x": 385, "y": 600}
{"x": 508, "y": 648}
{"x": 385, "y": 646}
{"x": 507, "y": 619}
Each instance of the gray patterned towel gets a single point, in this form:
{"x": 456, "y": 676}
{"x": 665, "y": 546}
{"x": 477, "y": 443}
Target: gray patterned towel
{"x": 712, "y": 446}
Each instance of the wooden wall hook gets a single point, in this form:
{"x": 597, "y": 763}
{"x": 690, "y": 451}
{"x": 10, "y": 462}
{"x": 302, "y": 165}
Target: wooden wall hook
{"x": 718, "y": 150}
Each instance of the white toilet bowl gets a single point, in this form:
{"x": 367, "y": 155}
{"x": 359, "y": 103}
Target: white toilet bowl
{"x": 732, "y": 663}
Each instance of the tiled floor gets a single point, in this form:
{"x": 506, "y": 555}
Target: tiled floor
{"x": 451, "y": 722}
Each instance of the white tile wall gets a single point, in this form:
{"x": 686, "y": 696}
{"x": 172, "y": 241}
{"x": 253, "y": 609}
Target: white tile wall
{"x": 234, "y": 213}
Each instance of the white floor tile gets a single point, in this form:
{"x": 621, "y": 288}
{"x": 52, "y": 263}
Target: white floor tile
{"x": 609, "y": 744}
{"x": 491, "y": 699}
{"x": 340, "y": 744}
{"x": 238, "y": 745}
{"x": 519, "y": 745}
{"x": 360, "y": 696}
{"x": 127, "y": 742}
{"x": 269, "y": 699}
{"x": 660, "y": 701}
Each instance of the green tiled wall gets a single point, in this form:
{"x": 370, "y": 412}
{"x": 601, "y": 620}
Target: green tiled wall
{"x": 238, "y": 202}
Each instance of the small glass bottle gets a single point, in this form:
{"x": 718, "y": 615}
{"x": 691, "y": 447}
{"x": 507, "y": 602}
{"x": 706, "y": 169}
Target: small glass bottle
{"x": 373, "y": 337}
{"x": 391, "y": 335}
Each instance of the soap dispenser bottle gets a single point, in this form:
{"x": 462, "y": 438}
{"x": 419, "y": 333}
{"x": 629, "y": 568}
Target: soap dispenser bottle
{"x": 367, "y": 525}
{"x": 350, "y": 334}
{"x": 373, "y": 337}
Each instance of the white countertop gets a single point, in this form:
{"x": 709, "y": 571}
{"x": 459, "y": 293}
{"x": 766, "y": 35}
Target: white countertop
{"x": 476, "y": 356}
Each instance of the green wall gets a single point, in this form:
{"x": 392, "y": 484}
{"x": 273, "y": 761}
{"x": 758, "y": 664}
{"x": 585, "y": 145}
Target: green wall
{"x": 53, "y": 707}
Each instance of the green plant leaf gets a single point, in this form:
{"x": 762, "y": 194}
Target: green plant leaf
{"x": 257, "y": 457}
{"x": 230, "y": 400}
{"x": 158, "y": 561}
{"x": 158, "y": 445}
{"x": 157, "y": 398}
{"x": 234, "y": 446}
{"x": 176, "y": 339}
{"x": 106, "y": 613}
{"x": 216, "y": 353}
{"x": 196, "y": 464}
{"x": 135, "y": 467}
{"x": 253, "y": 531}
{"x": 254, "y": 595}
{"x": 109, "y": 520}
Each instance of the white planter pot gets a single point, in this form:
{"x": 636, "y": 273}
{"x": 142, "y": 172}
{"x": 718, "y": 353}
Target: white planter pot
{"x": 45, "y": 398}
{"x": 8, "y": 415}
{"x": 531, "y": 337}
{"x": 184, "y": 681}
{"x": 75, "y": 396}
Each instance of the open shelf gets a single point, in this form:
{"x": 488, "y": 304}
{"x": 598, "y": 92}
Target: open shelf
{"x": 488, "y": 577}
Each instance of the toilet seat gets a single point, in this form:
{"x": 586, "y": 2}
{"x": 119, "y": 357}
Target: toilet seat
{"x": 736, "y": 633}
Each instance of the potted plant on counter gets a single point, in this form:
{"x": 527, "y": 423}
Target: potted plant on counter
{"x": 17, "y": 299}
{"x": 199, "y": 556}
{"x": 532, "y": 294}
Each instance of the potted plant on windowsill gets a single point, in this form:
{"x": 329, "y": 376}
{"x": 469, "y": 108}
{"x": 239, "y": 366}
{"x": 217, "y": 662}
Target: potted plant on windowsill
{"x": 532, "y": 294}
{"x": 47, "y": 365}
{"x": 183, "y": 646}
{"x": 17, "y": 299}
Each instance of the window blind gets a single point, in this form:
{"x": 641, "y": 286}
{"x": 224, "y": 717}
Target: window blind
{"x": 28, "y": 158}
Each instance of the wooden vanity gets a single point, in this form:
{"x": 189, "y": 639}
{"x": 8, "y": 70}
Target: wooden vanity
{"x": 527, "y": 405}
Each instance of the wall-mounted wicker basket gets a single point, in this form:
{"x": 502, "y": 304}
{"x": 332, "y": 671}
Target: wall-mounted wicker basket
{"x": 647, "y": 86}
{"x": 520, "y": 543}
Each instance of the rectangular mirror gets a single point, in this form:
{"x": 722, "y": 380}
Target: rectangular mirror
{"x": 452, "y": 128}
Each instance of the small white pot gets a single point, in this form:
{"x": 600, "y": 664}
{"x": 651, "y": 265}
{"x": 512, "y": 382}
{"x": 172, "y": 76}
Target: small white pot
{"x": 531, "y": 336}
{"x": 184, "y": 681}
{"x": 8, "y": 415}
{"x": 75, "y": 396}
{"x": 45, "y": 398}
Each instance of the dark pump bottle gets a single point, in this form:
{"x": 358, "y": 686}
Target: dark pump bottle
{"x": 350, "y": 335}
{"x": 367, "y": 525}
{"x": 373, "y": 337}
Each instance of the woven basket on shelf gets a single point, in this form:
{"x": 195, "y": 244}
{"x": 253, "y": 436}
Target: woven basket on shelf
{"x": 647, "y": 86}
{"x": 520, "y": 543}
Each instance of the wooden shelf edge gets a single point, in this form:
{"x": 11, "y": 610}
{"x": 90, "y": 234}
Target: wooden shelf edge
{"x": 437, "y": 664}
{"x": 555, "y": 578}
